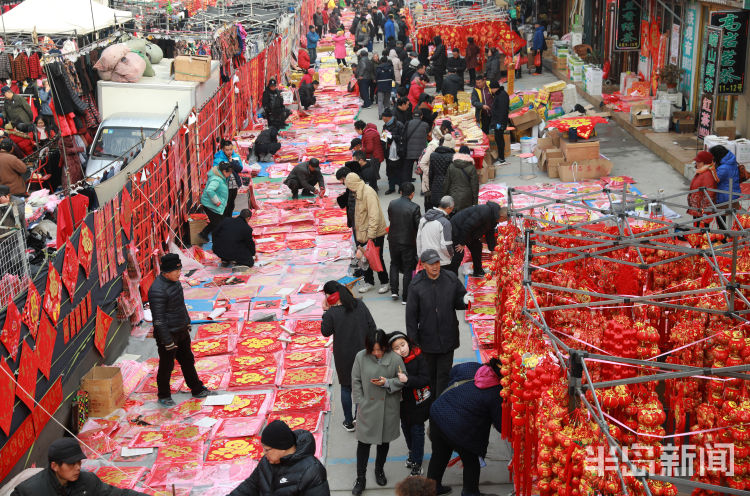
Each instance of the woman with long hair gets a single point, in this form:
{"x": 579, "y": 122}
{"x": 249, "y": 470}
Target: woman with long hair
{"x": 348, "y": 320}
{"x": 376, "y": 389}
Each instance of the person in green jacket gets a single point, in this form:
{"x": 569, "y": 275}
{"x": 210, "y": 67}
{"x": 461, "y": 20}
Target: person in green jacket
{"x": 215, "y": 196}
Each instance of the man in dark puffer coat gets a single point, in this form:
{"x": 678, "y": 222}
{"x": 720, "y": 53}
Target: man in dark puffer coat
{"x": 233, "y": 240}
{"x": 289, "y": 466}
{"x": 440, "y": 160}
{"x": 172, "y": 330}
{"x": 469, "y": 226}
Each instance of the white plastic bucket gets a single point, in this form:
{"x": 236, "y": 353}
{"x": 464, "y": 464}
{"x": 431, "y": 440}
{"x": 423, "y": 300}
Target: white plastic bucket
{"x": 527, "y": 145}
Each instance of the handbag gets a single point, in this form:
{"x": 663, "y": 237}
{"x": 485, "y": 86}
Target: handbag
{"x": 744, "y": 175}
{"x": 372, "y": 253}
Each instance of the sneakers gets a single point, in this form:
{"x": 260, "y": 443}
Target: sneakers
{"x": 365, "y": 288}
{"x": 359, "y": 486}
{"x": 384, "y": 289}
{"x": 166, "y": 402}
{"x": 444, "y": 490}
{"x": 394, "y": 296}
{"x": 380, "y": 478}
{"x": 478, "y": 274}
{"x": 409, "y": 463}
{"x": 499, "y": 162}
{"x": 403, "y": 303}
{"x": 348, "y": 427}
{"x": 203, "y": 394}
{"x": 416, "y": 470}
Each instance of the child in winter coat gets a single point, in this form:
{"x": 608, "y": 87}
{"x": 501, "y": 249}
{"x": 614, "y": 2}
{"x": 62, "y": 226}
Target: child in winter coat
{"x": 416, "y": 397}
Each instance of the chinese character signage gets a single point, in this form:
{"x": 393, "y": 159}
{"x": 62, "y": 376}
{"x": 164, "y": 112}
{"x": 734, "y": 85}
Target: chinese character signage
{"x": 628, "y": 25}
{"x": 692, "y": 21}
{"x": 711, "y": 60}
{"x": 705, "y": 115}
{"x": 734, "y": 26}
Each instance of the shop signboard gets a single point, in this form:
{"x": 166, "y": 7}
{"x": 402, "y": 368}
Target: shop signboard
{"x": 692, "y": 21}
{"x": 711, "y": 59}
{"x": 737, "y": 4}
{"x": 734, "y": 27}
{"x": 705, "y": 115}
{"x": 628, "y": 25}
{"x": 674, "y": 44}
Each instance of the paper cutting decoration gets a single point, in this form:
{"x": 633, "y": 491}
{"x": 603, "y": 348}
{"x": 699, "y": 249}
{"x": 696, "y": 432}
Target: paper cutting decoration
{"x": 11, "y": 332}
{"x": 308, "y": 327}
{"x": 252, "y": 345}
{"x": 167, "y": 474}
{"x": 179, "y": 452}
{"x": 53, "y": 294}
{"x": 300, "y": 244}
{"x": 234, "y": 448}
{"x": 302, "y": 358}
{"x": 302, "y": 341}
{"x": 240, "y": 427}
{"x": 17, "y": 446}
{"x": 48, "y": 405}
{"x": 307, "y": 420}
{"x": 31, "y": 309}
{"x": 151, "y": 439}
{"x": 70, "y": 268}
{"x": 126, "y": 212}
{"x": 85, "y": 248}
{"x": 7, "y": 396}
{"x": 103, "y": 322}
{"x": 241, "y": 379}
{"x": 122, "y": 477}
{"x": 301, "y": 399}
{"x": 272, "y": 329}
{"x": 27, "y": 376}
{"x": 251, "y": 362}
{"x": 216, "y": 329}
{"x": 243, "y": 405}
{"x": 210, "y": 346}
{"x": 187, "y": 408}
{"x": 305, "y": 376}
{"x": 45, "y": 345}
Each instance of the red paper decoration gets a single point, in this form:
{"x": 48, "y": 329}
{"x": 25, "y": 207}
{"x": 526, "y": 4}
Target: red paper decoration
{"x": 31, "y": 309}
{"x": 103, "y": 322}
{"x": 7, "y": 396}
{"x": 45, "y": 345}
{"x": 27, "y": 376}
{"x": 301, "y": 399}
{"x": 233, "y": 448}
{"x": 70, "y": 268}
{"x": 85, "y": 248}
{"x": 126, "y": 212}
{"x": 307, "y": 420}
{"x": 48, "y": 405}
{"x": 17, "y": 446}
{"x": 11, "y": 330}
{"x": 53, "y": 294}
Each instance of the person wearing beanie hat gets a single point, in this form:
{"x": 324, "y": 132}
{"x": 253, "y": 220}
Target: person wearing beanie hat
{"x": 172, "y": 331}
{"x": 416, "y": 397}
{"x": 701, "y": 201}
{"x": 273, "y": 106}
{"x": 305, "y": 176}
{"x": 462, "y": 181}
{"x": 461, "y": 419}
{"x": 288, "y": 466}
{"x": 393, "y": 130}
{"x": 63, "y": 475}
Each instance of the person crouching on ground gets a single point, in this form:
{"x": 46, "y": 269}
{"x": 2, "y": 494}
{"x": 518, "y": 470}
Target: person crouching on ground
{"x": 303, "y": 177}
{"x": 233, "y": 240}
{"x": 215, "y": 196}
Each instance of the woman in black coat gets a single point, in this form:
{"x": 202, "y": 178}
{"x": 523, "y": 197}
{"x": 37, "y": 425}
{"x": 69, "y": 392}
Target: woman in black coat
{"x": 348, "y": 320}
{"x": 416, "y": 397}
{"x": 440, "y": 160}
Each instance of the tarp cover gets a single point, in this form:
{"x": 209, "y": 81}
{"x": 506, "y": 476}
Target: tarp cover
{"x": 56, "y": 16}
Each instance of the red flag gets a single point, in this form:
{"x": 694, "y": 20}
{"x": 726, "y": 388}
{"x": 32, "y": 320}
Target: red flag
{"x": 26, "y": 389}
{"x": 85, "y": 248}
{"x": 70, "y": 268}
{"x": 103, "y": 321}
{"x": 45, "y": 345}
{"x": 53, "y": 294}
{"x": 11, "y": 330}
{"x": 31, "y": 309}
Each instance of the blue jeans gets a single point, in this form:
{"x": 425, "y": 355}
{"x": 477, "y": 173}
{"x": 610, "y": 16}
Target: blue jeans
{"x": 313, "y": 52}
{"x": 414, "y": 436}
{"x": 346, "y": 403}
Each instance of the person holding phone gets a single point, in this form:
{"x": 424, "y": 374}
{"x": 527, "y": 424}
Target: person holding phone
{"x": 376, "y": 390}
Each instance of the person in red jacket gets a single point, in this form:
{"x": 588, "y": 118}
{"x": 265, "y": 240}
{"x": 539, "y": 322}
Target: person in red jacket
{"x": 371, "y": 145}
{"x": 303, "y": 59}
{"x": 416, "y": 89}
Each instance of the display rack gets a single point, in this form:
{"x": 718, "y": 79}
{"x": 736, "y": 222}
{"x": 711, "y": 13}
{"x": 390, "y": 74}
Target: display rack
{"x": 541, "y": 238}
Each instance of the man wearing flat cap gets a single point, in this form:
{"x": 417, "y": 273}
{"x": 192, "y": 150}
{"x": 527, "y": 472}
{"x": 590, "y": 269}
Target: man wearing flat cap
{"x": 434, "y": 297}
{"x": 172, "y": 331}
{"x": 63, "y": 476}
{"x": 288, "y": 467}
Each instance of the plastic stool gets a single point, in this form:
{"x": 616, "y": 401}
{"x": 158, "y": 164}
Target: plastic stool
{"x": 524, "y": 158}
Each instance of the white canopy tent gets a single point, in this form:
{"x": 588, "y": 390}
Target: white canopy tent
{"x": 78, "y": 17}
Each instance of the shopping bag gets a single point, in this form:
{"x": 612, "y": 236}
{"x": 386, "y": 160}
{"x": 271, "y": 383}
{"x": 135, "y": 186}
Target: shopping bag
{"x": 372, "y": 253}
{"x": 538, "y": 58}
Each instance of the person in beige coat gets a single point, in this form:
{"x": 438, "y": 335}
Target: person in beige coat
{"x": 369, "y": 225}
{"x": 378, "y": 375}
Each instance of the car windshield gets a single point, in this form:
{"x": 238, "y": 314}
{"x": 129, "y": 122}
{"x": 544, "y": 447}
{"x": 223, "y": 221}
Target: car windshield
{"x": 113, "y": 142}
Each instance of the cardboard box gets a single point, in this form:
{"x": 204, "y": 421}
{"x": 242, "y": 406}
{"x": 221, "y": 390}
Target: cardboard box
{"x": 104, "y": 385}
{"x": 344, "y": 76}
{"x": 640, "y": 115}
{"x": 196, "y": 226}
{"x": 584, "y": 169}
{"x": 580, "y": 150}
{"x": 684, "y": 122}
{"x": 192, "y": 68}
{"x": 561, "y": 63}
{"x": 526, "y": 120}
{"x": 725, "y": 128}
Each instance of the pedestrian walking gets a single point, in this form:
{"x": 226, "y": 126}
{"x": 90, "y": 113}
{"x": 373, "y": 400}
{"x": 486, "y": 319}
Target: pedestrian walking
{"x": 215, "y": 196}
{"x": 499, "y": 118}
{"x": 393, "y": 134}
{"x": 438, "y": 62}
{"x": 462, "y": 181}
{"x": 435, "y": 231}
{"x": 404, "y": 217}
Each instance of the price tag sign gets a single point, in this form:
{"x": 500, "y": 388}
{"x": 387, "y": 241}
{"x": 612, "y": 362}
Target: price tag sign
{"x": 711, "y": 60}
{"x": 734, "y": 29}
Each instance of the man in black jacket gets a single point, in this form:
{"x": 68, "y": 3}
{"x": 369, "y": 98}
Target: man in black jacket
{"x": 452, "y": 84}
{"x": 458, "y": 64}
{"x": 403, "y": 216}
{"x": 469, "y": 226}
{"x": 288, "y": 466}
{"x": 499, "y": 118}
{"x": 64, "y": 475}
{"x": 394, "y": 147}
{"x": 267, "y": 144}
{"x": 303, "y": 177}
{"x": 273, "y": 106}
{"x": 233, "y": 240}
{"x": 172, "y": 331}
{"x": 438, "y": 61}
{"x": 307, "y": 94}
{"x": 434, "y": 297}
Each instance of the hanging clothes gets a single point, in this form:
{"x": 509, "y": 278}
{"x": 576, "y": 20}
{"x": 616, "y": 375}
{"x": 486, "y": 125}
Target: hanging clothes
{"x": 34, "y": 66}
{"x": 5, "y": 68}
{"x": 20, "y": 67}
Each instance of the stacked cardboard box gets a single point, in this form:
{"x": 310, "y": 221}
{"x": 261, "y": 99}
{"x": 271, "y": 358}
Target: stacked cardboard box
{"x": 582, "y": 160}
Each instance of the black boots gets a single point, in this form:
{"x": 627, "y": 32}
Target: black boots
{"x": 359, "y": 486}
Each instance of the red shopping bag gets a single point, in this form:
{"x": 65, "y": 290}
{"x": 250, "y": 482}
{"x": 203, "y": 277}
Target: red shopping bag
{"x": 372, "y": 253}
{"x": 538, "y": 58}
